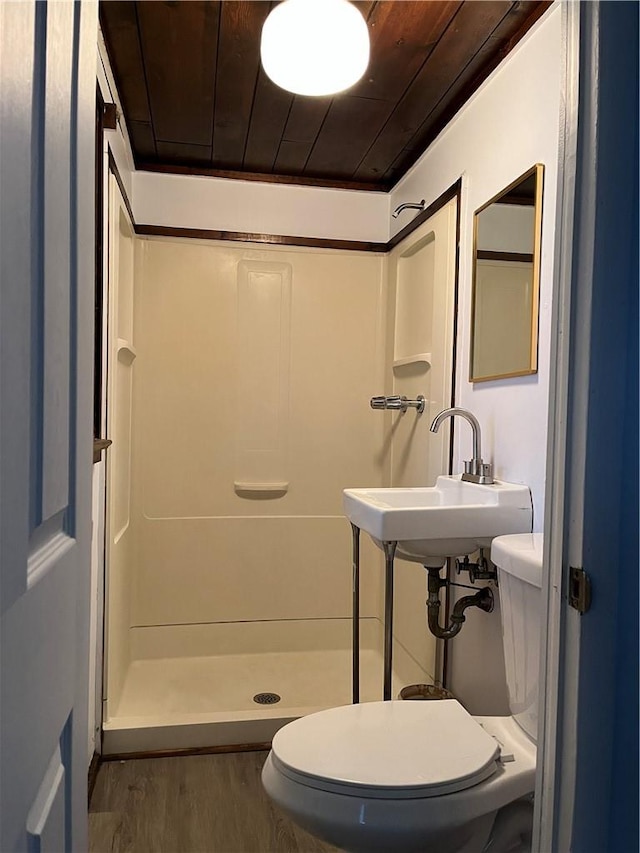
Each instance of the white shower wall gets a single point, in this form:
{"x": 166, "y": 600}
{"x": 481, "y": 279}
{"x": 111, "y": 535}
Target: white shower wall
{"x": 420, "y": 325}
{"x": 204, "y": 552}
{"x": 120, "y": 524}
{"x": 249, "y": 415}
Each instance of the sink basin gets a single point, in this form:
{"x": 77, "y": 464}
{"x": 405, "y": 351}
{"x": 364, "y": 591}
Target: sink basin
{"x": 450, "y": 519}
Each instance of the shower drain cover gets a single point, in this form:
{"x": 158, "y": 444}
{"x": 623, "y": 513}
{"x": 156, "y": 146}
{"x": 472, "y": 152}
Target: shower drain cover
{"x": 266, "y": 698}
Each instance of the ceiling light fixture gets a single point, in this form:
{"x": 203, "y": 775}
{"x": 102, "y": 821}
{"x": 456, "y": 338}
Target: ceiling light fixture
{"x": 315, "y": 47}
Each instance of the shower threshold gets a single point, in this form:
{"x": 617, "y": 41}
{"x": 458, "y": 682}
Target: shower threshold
{"x": 194, "y": 686}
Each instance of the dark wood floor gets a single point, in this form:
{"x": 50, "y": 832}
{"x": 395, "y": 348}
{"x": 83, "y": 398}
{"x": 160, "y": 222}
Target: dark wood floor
{"x": 203, "y": 803}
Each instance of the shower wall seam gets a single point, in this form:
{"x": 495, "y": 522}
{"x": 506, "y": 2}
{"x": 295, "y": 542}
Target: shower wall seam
{"x": 249, "y": 621}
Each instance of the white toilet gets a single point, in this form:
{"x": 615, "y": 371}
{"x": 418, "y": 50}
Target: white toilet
{"x": 426, "y": 776}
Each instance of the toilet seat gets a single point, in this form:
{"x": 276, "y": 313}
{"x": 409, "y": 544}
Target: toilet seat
{"x": 387, "y": 750}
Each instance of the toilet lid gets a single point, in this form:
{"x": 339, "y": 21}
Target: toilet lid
{"x": 420, "y": 748}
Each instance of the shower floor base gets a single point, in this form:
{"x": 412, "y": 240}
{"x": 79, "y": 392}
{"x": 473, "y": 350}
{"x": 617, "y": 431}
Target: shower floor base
{"x": 173, "y": 698}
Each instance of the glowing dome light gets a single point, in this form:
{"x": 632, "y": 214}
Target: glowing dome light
{"x": 315, "y": 47}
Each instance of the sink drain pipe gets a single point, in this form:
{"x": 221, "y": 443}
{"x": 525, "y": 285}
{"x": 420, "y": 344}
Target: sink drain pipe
{"x": 482, "y": 599}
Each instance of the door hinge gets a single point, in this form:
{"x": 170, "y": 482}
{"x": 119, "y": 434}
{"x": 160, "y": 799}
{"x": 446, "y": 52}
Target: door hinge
{"x": 579, "y": 589}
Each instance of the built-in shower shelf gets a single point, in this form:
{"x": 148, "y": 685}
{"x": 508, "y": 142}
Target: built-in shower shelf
{"x": 126, "y": 351}
{"x": 419, "y": 358}
{"x": 256, "y": 489}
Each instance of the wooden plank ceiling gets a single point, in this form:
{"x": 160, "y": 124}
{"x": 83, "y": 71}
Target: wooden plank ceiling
{"x": 196, "y": 99}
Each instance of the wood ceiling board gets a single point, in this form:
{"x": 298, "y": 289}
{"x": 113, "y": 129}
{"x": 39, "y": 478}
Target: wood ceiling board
{"x": 238, "y": 67}
{"x": 179, "y": 45}
{"x": 292, "y": 157}
{"x": 365, "y": 7}
{"x": 347, "y": 133}
{"x": 306, "y": 119}
{"x": 402, "y": 34}
{"x": 271, "y": 108}
{"x": 468, "y": 31}
{"x": 119, "y": 22}
{"x": 182, "y": 152}
{"x": 496, "y": 47}
{"x": 478, "y": 69}
{"x": 189, "y": 76}
{"x": 303, "y": 125}
{"x": 142, "y": 140}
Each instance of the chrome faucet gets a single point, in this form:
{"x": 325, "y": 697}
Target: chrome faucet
{"x": 475, "y": 470}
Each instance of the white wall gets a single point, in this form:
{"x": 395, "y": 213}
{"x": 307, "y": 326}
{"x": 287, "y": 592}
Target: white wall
{"x": 193, "y": 201}
{"x": 511, "y": 123}
{"x": 506, "y": 228}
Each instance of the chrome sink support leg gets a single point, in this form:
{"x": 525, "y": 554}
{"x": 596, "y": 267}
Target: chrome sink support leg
{"x": 355, "y": 619}
{"x": 389, "y": 554}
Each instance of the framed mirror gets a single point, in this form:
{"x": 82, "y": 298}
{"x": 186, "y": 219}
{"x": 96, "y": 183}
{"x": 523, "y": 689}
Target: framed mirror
{"x": 506, "y": 281}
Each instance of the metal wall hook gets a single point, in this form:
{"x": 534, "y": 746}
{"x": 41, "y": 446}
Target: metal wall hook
{"x": 398, "y": 403}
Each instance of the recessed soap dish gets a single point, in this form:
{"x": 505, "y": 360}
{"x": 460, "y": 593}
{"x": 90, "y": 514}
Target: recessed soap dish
{"x": 260, "y": 490}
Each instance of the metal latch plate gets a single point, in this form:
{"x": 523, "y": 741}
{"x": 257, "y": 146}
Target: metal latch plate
{"x": 579, "y": 589}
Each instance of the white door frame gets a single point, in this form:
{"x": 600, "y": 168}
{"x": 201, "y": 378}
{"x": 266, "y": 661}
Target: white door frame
{"x": 554, "y": 612}
{"x": 580, "y": 769}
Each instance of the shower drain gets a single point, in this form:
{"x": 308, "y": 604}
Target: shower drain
{"x": 266, "y": 698}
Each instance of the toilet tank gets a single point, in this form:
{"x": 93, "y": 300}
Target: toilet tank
{"x": 519, "y": 561}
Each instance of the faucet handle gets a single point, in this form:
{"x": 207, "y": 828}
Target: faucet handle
{"x": 486, "y": 472}
{"x": 394, "y": 402}
{"x": 398, "y": 403}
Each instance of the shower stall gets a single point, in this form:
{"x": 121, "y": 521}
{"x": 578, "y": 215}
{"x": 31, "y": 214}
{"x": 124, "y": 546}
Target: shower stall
{"x": 239, "y": 380}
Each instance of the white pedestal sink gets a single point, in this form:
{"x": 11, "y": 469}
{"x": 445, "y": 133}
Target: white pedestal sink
{"x": 450, "y": 519}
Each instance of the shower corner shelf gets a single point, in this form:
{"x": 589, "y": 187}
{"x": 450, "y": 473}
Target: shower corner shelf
{"x": 126, "y": 351}
{"x": 417, "y": 358}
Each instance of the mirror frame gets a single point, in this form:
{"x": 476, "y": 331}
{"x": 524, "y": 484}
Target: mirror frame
{"x": 538, "y": 171}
